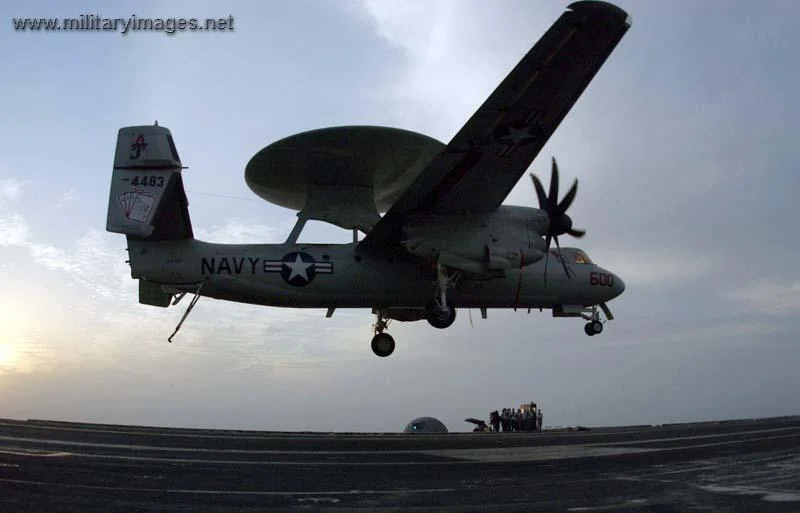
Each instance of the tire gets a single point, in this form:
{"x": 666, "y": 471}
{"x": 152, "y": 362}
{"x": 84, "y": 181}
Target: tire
{"x": 435, "y": 317}
{"x": 382, "y": 345}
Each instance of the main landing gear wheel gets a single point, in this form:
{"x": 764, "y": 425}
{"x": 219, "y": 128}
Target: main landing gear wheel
{"x": 438, "y": 312}
{"x": 438, "y": 317}
{"x": 383, "y": 344}
{"x": 593, "y": 328}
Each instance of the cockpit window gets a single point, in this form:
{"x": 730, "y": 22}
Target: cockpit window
{"x": 581, "y": 257}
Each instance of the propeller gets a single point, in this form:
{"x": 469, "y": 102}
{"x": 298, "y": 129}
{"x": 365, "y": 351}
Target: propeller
{"x": 560, "y": 222}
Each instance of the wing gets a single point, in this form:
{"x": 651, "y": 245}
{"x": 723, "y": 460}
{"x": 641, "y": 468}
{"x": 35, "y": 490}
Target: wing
{"x": 487, "y": 157}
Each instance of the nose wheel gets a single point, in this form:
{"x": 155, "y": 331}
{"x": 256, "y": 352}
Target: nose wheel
{"x": 593, "y": 328}
{"x": 595, "y": 325}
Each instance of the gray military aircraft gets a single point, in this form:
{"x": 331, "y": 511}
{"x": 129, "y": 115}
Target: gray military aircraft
{"x": 445, "y": 240}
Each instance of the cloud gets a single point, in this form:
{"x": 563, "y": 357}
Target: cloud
{"x": 70, "y": 195}
{"x": 11, "y": 188}
{"x": 726, "y": 334}
{"x": 252, "y": 336}
{"x": 407, "y": 25}
{"x": 770, "y": 297}
{"x": 655, "y": 268}
{"x": 440, "y": 69}
{"x": 241, "y": 231}
{"x": 92, "y": 262}
{"x": 14, "y": 231}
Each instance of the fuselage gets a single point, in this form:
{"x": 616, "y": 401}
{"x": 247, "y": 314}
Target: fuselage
{"x": 341, "y": 276}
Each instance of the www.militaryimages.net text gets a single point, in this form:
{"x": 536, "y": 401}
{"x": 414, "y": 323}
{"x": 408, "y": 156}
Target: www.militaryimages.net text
{"x": 124, "y": 26}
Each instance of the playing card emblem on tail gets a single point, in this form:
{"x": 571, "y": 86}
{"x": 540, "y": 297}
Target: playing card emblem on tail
{"x": 147, "y": 198}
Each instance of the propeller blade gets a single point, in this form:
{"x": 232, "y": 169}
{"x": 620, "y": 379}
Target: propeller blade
{"x": 561, "y": 257}
{"x": 546, "y": 255}
{"x": 553, "y": 196}
{"x": 570, "y": 196}
{"x": 540, "y": 193}
{"x": 559, "y": 221}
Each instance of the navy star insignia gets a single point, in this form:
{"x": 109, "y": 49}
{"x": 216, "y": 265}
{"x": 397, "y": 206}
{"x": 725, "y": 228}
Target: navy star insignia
{"x": 515, "y": 134}
{"x": 298, "y": 268}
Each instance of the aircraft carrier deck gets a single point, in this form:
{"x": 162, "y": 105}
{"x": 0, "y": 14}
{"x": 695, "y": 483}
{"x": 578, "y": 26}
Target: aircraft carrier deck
{"x": 743, "y": 465}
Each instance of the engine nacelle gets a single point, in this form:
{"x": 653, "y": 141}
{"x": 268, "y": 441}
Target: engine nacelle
{"x": 493, "y": 257}
{"x": 508, "y": 239}
{"x": 499, "y": 258}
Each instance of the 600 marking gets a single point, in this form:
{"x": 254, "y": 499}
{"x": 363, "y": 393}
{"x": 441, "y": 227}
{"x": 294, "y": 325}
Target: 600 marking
{"x": 601, "y": 279}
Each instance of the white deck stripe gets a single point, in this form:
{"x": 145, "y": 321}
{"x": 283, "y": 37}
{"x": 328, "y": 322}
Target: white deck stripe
{"x": 234, "y": 492}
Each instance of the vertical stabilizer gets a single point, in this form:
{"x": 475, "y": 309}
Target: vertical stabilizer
{"x": 147, "y": 197}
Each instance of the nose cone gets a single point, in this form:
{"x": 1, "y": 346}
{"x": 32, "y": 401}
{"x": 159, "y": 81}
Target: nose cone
{"x": 618, "y": 287}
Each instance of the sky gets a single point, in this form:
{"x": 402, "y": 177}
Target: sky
{"x": 685, "y": 146}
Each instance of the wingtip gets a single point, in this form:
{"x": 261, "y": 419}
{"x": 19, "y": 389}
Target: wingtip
{"x": 599, "y": 6}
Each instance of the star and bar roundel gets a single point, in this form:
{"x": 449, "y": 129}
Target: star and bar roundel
{"x": 297, "y": 268}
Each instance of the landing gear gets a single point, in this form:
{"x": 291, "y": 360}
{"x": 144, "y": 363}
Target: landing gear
{"x": 439, "y": 317}
{"x": 382, "y": 343}
{"x": 595, "y": 325}
{"x": 438, "y": 312}
{"x": 593, "y": 328}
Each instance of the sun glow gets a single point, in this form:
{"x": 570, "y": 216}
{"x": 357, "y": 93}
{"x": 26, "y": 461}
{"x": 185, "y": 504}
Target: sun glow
{"x": 15, "y": 324}
{"x": 9, "y": 357}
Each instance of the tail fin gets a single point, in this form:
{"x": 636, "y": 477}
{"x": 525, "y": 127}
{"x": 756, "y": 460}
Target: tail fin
{"x": 147, "y": 198}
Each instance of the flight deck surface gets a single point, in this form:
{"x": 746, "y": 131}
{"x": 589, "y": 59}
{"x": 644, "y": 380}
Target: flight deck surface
{"x": 743, "y": 465}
